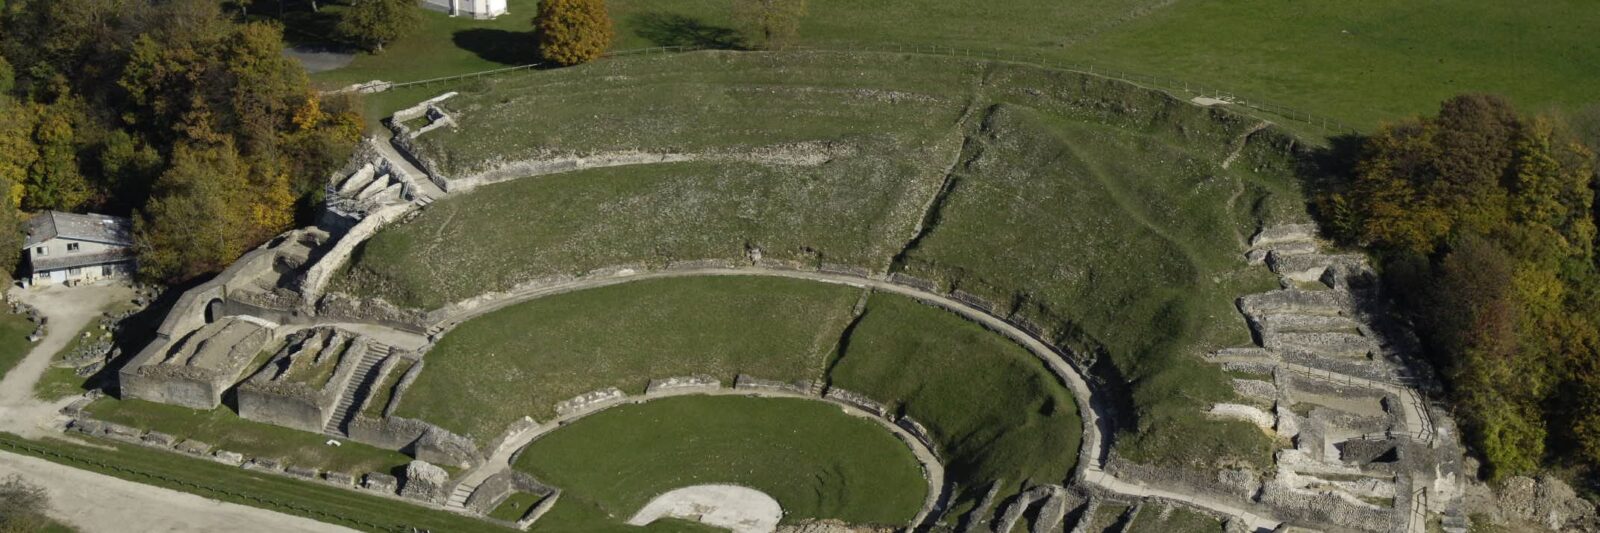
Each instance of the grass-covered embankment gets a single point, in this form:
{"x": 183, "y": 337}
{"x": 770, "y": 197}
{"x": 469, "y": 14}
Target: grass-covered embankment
{"x": 522, "y": 360}
{"x": 235, "y": 485}
{"x": 995, "y": 412}
{"x": 816, "y": 461}
{"x": 224, "y": 430}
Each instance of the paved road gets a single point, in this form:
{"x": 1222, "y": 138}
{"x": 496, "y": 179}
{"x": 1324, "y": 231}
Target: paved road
{"x": 95, "y": 503}
{"x": 1090, "y": 456}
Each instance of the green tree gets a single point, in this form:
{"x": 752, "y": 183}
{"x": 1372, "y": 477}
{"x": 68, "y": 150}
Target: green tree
{"x": 770, "y": 24}
{"x": 374, "y": 23}
{"x": 17, "y": 149}
{"x": 192, "y": 225}
{"x": 53, "y": 180}
{"x": 570, "y": 32}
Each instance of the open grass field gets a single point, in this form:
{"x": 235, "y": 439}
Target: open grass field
{"x": 235, "y": 485}
{"x": 14, "y": 345}
{"x": 994, "y": 410}
{"x": 1359, "y": 62}
{"x": 224, "y": 430}
{"x": 524, "y": 359}
{"x": 816, "y": 461}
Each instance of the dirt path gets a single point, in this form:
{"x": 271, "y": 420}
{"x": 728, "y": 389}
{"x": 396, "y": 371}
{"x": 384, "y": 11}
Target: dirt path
{"x": 67, "y": 310}
{"x": 95, "y": 503}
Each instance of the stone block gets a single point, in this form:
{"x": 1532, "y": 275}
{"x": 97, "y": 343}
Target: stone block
{"x": 683, "y": 383}
{"x": 441, "y": 446}
{"x": 384, "y": 483}
{"x": 263, "y": 464}
{"x": 857, "y": 400}
{"x": 302, "y": 472}
{"x": 121, "y": 432}
{"x": 1283, "y": 233}
{"x": 339, "y": 478}
{"x": 745, "y": 382}
{"x": 1243, "y": 412}
{"x": 156, "y": 438}
{"x": 87, "y": 426}
{"x": 590, "y": 400}
{"x": 193, "y": 447}
{"x": 426, "y": 482}
{"x": 227, "y": 457}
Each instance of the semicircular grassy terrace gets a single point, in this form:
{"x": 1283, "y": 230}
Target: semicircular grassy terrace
{"x": 815, "y": 460}
{"x": 994, "y": 411}
{"x": 1109, "y": 215}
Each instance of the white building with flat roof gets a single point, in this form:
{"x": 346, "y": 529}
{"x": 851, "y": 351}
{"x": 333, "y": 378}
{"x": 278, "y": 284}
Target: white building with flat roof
{"x": 478, "y": 9}
{"x": 68, "y": 248}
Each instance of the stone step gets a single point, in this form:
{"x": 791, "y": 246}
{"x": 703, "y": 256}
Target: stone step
{"x": 366, "y": 377}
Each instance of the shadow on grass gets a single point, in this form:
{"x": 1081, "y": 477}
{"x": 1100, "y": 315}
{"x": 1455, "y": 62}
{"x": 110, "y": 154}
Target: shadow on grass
{"x": 669, "y": 29}
{"x": 508, "y": 48}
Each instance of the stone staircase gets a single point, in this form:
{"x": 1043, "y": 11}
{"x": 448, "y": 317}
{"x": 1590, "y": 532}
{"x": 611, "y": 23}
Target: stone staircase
{"x": 361, "y": 383}
{"x": 458, "y": 497}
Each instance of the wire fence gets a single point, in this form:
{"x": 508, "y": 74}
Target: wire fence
{"x": 1174, "y": 86}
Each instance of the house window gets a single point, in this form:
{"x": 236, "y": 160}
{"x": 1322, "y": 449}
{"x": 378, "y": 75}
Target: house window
{"x": 41, "y": 250}
{"x": 74, "y": 271}
{"x": 72, "y": 247}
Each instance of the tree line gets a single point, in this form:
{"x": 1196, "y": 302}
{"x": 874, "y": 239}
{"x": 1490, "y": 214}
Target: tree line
{"x": 195, "y": 125}
{"x": 1483, "y": 222}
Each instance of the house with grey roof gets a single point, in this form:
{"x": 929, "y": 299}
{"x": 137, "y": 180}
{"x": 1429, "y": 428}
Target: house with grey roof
{"x": 69, "y": 248}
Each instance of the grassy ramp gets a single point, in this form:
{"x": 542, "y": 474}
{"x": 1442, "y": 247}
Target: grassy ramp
{"x": 816, "y": 461}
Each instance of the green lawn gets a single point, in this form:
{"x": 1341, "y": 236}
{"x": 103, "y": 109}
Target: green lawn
{"x": 524, "y": 359}
{"x": 235, "y": 485}
{"x": 816, "y": 461}
{"x": 224, "y": 430}
{"x": 1356, "y": 61}
{"x": 515, "y": 506}
{"x": 14, "y": 345}
{"x": 1151, "y": 520}
{"x": 59, "y": 382}
{"x": 995, "y": 412}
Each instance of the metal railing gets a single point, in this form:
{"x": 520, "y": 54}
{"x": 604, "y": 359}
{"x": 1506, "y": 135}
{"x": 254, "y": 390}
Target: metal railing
{"x": 1176, "y": 87}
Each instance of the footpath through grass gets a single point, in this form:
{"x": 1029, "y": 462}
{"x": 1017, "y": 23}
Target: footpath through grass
{"x": 524, "y": 359}
{"x": 1358, "y": 62}
{"x": 224, "y": 430}
{"x": 816, "y": 461}
{"x": 235, "y": 485}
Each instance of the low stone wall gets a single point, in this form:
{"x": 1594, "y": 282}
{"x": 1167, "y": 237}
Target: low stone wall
{"x": 857, "y": 400}
{"x": 376, "y": 482}
{"x": 698, "y": 382}
{"x": 317, "y": 275}
{"x": 744, "y": 382}
{"x": 340, "y": 306}
{"x": 589, "y": 401}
